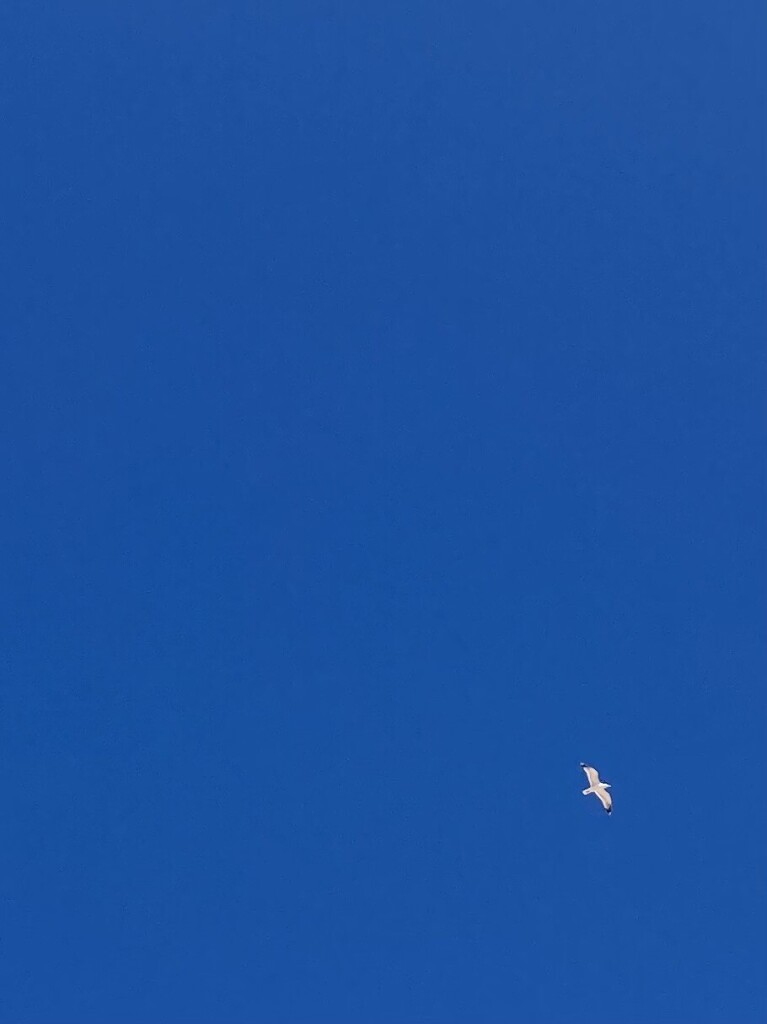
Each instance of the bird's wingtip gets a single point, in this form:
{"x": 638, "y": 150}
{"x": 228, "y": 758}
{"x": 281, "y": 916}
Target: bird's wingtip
{"x": 583, "y": 764}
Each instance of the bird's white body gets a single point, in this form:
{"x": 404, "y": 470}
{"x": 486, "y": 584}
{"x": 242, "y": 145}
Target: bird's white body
{"x": 597, "y": 787}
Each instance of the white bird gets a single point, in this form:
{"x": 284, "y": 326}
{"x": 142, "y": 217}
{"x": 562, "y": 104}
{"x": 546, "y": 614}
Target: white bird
{"x": 597, "y": 787}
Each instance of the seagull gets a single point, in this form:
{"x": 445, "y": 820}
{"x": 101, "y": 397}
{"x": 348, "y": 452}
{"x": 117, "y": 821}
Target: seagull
{"x": 597, "y": 787}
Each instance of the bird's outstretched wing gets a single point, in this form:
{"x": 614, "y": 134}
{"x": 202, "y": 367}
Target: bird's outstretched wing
{"x": 591, "y": 774}
{"x": 605, "y": 799}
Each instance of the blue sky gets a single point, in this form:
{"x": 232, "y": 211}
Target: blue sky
{"x": 383, "y": 435}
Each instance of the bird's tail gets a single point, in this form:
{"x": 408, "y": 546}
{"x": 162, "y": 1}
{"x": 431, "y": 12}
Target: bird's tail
{"x": 587, "y": 791}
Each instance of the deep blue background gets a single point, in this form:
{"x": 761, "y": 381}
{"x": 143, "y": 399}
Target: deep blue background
{"x": 383, "y": 433}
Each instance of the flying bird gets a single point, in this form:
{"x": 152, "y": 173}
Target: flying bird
{"x": 597, "y": 787}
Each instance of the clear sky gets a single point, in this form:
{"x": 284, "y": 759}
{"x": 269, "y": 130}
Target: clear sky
{"x": 382, "y": 391}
